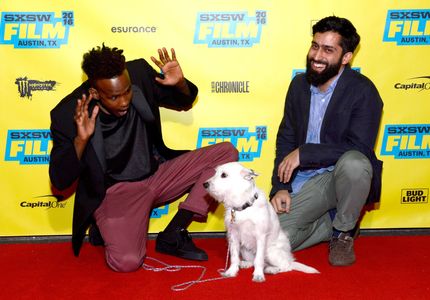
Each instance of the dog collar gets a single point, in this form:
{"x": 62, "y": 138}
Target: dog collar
{"x": 247, "y": 204}
{"x": 243, "y": 207}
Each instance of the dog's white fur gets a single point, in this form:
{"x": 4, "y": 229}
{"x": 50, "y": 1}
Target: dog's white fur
{"x": 254, "y": 233}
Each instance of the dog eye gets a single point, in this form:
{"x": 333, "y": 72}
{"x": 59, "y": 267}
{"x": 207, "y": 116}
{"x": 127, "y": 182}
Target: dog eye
{"x": 223, "y": 175}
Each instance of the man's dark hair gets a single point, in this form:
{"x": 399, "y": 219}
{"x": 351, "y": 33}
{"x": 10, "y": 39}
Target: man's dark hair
{"x": 350, "y": 38}
{"x": 103, "y": 63}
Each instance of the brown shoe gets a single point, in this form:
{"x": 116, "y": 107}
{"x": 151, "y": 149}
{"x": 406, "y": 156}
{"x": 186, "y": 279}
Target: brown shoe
{"x": 341, "y": 250}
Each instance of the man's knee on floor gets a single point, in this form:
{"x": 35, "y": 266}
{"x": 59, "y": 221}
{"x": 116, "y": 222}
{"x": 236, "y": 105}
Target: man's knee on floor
{"x": 125, "y": 263}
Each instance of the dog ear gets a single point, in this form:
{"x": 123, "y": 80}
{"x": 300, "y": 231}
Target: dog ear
{"x": 249, "y": 174}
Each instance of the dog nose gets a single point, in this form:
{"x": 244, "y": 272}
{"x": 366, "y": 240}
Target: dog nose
{"x": 205, "y": 185}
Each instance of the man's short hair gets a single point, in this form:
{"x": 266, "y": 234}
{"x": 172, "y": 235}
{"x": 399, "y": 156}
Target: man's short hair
{"x": 103, "y": 63}
{"x": 350, "y": 38}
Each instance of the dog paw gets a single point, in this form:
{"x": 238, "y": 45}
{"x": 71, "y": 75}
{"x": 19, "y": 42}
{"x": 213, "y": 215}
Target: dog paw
{"x": 258, "y": 278}
{"x": 229, "y": 273}
{"x": 271, "y": 270}
{"x": 246, "y": 264}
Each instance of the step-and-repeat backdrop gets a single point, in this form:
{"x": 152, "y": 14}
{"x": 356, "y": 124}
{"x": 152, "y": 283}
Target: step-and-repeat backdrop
{"x": 242, "y": 55}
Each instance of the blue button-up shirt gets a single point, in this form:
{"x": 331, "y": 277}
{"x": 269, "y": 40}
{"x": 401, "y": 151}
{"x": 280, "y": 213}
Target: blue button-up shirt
{"x": 319, "y": 103}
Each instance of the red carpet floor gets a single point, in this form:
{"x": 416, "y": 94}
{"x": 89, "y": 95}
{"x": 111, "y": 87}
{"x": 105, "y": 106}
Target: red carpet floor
{"x": 387, "y": 268}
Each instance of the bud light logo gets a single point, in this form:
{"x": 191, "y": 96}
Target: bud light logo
{"x": 415, "y": 196}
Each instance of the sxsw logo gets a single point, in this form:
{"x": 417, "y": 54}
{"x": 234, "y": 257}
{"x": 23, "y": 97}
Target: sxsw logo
{"x": 35, "y": 29}
{"x": 229, "y": 29}
{"x": 406, "y": 141}
{"x": 301, "y": 71}
{"x": 408, "y": 27}
{"x": 28, "y": 147}
{"x": 158, "y": 212}
{"x": 249, "y": 144}
{"x": 414, "y": 196}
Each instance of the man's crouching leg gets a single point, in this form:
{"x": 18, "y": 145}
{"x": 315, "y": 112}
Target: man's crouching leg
{"x": 352, "y": 177}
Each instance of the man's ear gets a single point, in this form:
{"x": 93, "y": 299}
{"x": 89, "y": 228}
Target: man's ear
{"x": 346, "y": 58}
{"x": 93, "y": 92}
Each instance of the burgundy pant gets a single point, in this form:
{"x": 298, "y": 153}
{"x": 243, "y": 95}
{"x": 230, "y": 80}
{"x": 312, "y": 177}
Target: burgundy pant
{"x": 123, "y": 216}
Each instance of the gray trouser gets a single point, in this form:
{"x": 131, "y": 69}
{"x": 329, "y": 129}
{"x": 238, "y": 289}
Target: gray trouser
{"x": 345, "y": 188}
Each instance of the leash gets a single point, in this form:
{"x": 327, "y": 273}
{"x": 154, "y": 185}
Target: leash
{"x": 174, "y": 268}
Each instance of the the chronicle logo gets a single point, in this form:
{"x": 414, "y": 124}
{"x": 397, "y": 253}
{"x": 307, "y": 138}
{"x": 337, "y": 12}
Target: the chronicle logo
{"x": 408, "y": 27}
{"x": 419, "y": 84}
{"x": 28, "y": 147}
{"x": 44, "y": 202}
{"x": 229, "y": 29}
{"x": 406, "y": 141}
{"x": 27, "y": 86}
{"x": 35, "y": 29}
{"x": 230, "y": 86}
{"x": 249, "y": 144}
{"x": 414, "y": 196}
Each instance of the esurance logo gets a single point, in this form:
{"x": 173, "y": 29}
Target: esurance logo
{"x": 35, "y": 29}
{"x": 408, "y": 27}
{"x": 419, "y": 84}
{"x": 415, "y": 196}
{"x": 249, "y": 144}
{"x": 28, "y": 147}
{"x": 27, "y": 86}
{"x": 229, "y": 29}
{"x": 406, "y": 141}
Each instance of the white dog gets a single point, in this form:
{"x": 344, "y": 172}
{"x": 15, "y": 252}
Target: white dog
{"x": 253, "y": 230}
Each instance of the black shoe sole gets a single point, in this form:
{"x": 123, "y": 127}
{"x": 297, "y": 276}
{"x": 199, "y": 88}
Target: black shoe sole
{"x": 184, "y": 255}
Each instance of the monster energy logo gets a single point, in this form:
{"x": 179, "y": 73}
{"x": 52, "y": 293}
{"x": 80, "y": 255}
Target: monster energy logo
{"x": 27, "y": 86}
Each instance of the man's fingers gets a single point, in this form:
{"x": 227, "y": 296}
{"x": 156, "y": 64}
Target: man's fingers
{"x": 95, "y": 112}
{"x": 173, "y": 54}
{"x": 156, "y": 62}
{"x": 286, "y": 206}
{"x": 277, "y": 208}
{"x": 166, "y": 54}
{"x": 277, "y": 205}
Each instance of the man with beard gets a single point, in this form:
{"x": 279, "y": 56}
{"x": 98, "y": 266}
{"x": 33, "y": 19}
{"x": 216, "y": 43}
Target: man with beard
{"x": 325, "y": 167}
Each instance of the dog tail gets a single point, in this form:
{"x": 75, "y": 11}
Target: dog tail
{"x": 303, "y": 268}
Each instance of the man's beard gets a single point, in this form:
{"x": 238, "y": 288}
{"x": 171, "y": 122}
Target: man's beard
{"x": 317, "y": 79}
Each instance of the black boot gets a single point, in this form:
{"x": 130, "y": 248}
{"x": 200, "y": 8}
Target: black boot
{"x": 179, "y": 243}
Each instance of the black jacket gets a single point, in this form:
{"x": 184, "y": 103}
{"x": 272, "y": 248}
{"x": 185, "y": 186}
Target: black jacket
{"x": 65, "y": 169}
